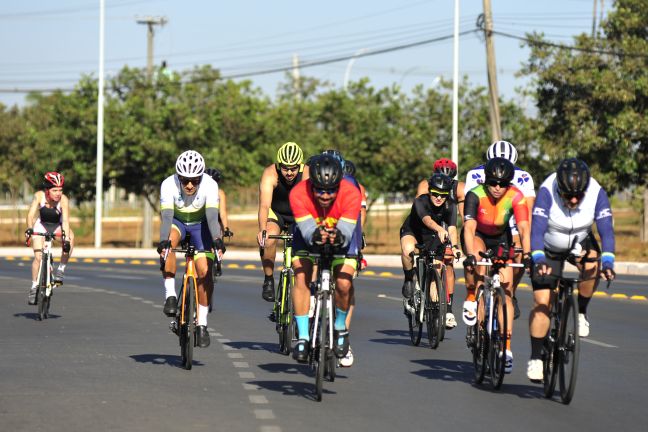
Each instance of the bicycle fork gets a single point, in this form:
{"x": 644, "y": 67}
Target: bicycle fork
{"x": 324, "y": 292}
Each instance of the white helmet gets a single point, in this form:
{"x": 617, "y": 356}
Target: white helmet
{"x": 190, "y": 164}
{"x": 503, "y": 149}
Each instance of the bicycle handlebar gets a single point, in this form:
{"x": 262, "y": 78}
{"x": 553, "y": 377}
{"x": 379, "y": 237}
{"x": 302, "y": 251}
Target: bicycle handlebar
{"x": 281, "y": 236}
{"x": 48, "y": 236}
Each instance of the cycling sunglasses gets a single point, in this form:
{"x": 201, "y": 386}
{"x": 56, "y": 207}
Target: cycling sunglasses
{"x": 289, "y": 168}
{"x": 439, "y": 193}
{"x": 500, "y": 183}
{"x": 570, "y": 196}
{"x": 321, "y": 191}
{"x": 192, "y": 180}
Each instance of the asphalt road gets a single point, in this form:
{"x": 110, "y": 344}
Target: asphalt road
{"x": 106, "y": 361}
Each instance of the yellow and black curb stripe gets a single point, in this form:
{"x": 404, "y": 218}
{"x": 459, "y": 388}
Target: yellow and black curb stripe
{"x": 383, "y": 274}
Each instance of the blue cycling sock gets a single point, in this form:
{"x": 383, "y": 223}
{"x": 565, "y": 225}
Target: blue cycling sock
{"x": 302, "y": 327}
{"x": 340, "y": 319}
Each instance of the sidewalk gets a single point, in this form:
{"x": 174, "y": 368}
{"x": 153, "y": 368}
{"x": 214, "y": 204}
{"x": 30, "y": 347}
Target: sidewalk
{"x": 627, "y": 268}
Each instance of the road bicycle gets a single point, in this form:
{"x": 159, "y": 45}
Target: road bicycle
{"x": 46, "y": 281}
{"x": 322, "y": 355}
{"x": 487, "y": 337}
{"x": 430, "y": 298}
{"x": 186, "y": 319}
{"x": 282, "y": 312}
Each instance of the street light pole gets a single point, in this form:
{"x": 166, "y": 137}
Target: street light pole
{"x": 455, "y": 89}
{"x": 100, "y": 132}
{"x": 347, "y": 73}
{"x": 150, "y": 21}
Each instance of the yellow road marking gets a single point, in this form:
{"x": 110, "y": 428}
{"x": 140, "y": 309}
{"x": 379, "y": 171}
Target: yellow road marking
{"x": 136, "y": 261}
{"x": 26, "y": 258}
{"x": 249, "y": 266}
{"x": 88, "y": 260}
{"x": 151, "y": 262}
{"x": 622, "y": 296}
{"x": 120, "y": 261}
{"x": 386, "y": 274}
{"x": 600, "y": 294}
{"x": 233, "y": 266}
{"x": 73, "y": 260}
{"x": 638, "y": 297}
{"x": 369, "y": 273}
{"x": 104, "y": 260}
{"x": 10, "y": 258}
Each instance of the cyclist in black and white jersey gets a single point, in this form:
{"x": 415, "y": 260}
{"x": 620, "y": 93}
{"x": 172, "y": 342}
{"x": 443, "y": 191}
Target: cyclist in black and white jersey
{"x": 569, "y": 202}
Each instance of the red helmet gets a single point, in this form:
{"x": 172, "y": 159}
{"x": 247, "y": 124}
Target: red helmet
{"x": 53, "y": 179}
{"x": 445, "y": 166}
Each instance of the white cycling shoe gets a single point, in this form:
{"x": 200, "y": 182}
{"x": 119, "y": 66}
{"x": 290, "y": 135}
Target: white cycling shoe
{"x": 470, "y": 312}
{"x": 347, "y": 360}
{"x": 450, "y": 321}
{"x": 583, "y": 325}
{"x": 508, "y": 363}
{"x": 534, "y": 370}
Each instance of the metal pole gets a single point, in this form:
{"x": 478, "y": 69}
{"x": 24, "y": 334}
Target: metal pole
{"x": 100, "y": 132}
{"x": 455, "y": 90}
{"x": 347, "y": 73}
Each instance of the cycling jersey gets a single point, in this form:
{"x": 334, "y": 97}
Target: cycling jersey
{"x": 557, "y": 228}
{"x": 493, "y": 217}
{"x": 521, "y": 179}
{"x": 343, "y": 213}
{"x": 444, "y": 215}
{"x": 280, "y": 205}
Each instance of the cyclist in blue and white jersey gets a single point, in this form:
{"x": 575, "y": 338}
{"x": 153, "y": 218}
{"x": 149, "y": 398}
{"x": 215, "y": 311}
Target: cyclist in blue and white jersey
{"x": 569, "y": 202}
{"x": 189, "y": 204}
{"x": 523, "y": 181}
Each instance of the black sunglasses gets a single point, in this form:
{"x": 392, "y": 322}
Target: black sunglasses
{"x": 570, "y": 196}
{"x": 192, "y": 180}
{"x": 438, "y": 194}
{"x": 321, "y": 191}
{"x": 289, "y": 168}
{"x": 500, "y": 183}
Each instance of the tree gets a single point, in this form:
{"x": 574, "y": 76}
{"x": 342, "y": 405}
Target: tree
{"x": 592, "y": 97}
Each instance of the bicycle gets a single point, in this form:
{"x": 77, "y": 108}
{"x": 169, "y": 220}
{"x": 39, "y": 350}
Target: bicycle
{"x": 322, "y": 356}
{"x": 282, "y": 311}
{"x": 186, "y": 319}
{"x": 487, "y": 337}
{"x": 432, "y": 311}
{"x": 46, "y": 281}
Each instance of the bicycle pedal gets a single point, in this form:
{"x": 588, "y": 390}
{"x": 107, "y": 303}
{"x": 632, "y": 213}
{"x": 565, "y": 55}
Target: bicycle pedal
{"x": 173, "y": 326}
{"x": 272, "y": 317}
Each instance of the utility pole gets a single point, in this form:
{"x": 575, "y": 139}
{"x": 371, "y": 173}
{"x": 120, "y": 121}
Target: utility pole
{"x": 594, "y": 20}
{"x": 150, "y": 21}
{"x": 100, "y": 130}
{"x": 296, "y": 77}
{"x": 492, "y": 73}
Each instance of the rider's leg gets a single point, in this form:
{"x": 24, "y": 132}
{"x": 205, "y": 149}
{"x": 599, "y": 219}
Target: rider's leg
{"x": 408, "y": 242}
{"x": 506, "y": 281}
{"x": 268, "y": 260}
{"x": 37, "y": 243}
{"x": 343, "y": 293}
{"x": 586, "y": 289}
{"x": 65, "y": 255}
{"x": 168, "y": 274}
{"x": 303, "y": 268}
{"x": 204, "y": 279}
{"x": 518, "y": 273}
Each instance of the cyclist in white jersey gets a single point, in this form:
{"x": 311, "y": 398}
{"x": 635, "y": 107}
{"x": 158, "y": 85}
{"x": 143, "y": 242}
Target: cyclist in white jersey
{"x": 569, "y": 203}
{"x": 189, "y": 204}
{"x": 523, "y": 181}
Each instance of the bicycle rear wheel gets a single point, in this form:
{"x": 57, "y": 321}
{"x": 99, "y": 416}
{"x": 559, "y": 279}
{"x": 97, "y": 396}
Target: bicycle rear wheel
{"x": 413, "y": 319}
{"x": 41, "y": 298}
{"x": 189, "y": 327}
{"x": 443, "y": 301}
{"x": 568, "y": 350}
{"x": 321, "y": 347}
{"x": 432, "y": 310}
{"x": 550, "y": 355}
{"x": 480, "y": 341}
{"x": 497, "y": 352}
{"x": 331, "y": 359}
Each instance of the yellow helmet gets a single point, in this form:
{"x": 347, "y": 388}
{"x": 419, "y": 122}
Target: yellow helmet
{"x": 290, "y": 154}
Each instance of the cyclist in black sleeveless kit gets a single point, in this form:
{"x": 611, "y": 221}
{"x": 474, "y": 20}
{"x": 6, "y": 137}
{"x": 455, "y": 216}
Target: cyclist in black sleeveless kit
{"x": 275, "y": 214}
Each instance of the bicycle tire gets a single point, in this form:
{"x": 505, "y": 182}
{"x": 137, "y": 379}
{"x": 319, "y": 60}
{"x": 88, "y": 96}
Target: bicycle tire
{"x": 550, "y": 355}
{"x": 569, "y": 350}
{"x": 497, "y": 351}
{"x": 321, "y": 347}
{"x": 189, "y": 325}
{"x": 443, "y": 302}
{"x": 432, "y": 310}
{"x": 278, "y": 312}
{"x": 40, "y": 292}
{"x": 480, "y": 342}
{"x": 414, "y": 323}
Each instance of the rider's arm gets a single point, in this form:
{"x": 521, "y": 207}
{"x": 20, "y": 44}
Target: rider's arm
{"x": 422, "y": 212}
{"x": 33, "y": 209}
{"x": 422, "y": 188}
{"x": 266, "y": 188}
{"x": 604, "y": 220}
{"x": 302, "y": 209}
{"x": 363, "y": 206}
{"x": 65, "y": 214}
{"x": 470, "y": 222}
{"x": 350, "y": 203}
{"x": 540, "y": 223}
{"x": 521, "y": 212}
{"x": 167, "y": 192}
{"x": 461, "y": 196}
{"x": 223, "y": 208}
{"x": 212, "y": 208}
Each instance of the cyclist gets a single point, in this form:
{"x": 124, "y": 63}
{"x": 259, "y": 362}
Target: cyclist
{"x": 275, "y": 214}
{"x": 349, "y": 174}
{"x": 449, "y": 168}
{"x": 523, "y": 181}
{"x": 49, "y": 212}
{"x": 488, "y": 208}
{"x": 189, "y": 204}
{"x": 432, "y": 220}
{"x": 569, "y": 202}
{"x": 326, "y": 209}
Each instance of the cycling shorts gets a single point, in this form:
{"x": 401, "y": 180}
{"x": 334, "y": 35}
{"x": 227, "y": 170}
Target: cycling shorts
{"x": 299, "y": 245}
{"x": 200, "y": 236}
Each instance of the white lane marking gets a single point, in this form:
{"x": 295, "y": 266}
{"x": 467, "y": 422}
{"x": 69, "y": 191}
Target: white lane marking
{"x": 114, "y": 276}
{"x": 246, "y": 375}
{"x": 399, "y": 299}
{"x": 251, "y": 387}
{"x": 258, "y": 399}
{"x": 235, "y": 355}
{"x": 264, "y": 414}
{"x": 148, "y": 302}
{"x": 595, "y": 342}
{"x": 269, "y": 429}
{"x": 241, "y": 364}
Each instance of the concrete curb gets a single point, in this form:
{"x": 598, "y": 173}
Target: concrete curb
{"x": 626, "y": 268}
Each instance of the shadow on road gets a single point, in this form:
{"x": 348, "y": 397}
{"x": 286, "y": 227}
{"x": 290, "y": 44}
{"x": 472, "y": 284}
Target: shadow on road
{"x": 34, "y": 315}
{"x": 400, "y": 337}
{"x": 294, "y": 388}
{"x": 253, "y": 346}
{"x": 162, "y": 359}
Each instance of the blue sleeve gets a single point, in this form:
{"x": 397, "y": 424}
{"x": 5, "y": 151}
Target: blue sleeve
{"x": 540, "y": 220}
{"x": 603, "y": 217}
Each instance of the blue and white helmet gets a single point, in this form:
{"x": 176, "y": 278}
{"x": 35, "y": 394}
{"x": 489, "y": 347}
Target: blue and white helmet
{"x": 502, "y": 149}
{"x": 190, "y": 164}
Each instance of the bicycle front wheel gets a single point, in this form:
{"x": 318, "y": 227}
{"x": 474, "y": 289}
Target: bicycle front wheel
{"x": 568, "y": 350}
{"x": 280, "y": 316}
{"x": 189, "y": 326}
{"x": 433, "y": 309}
{"x": 413, "y": 319}
{"x": 479, "y": 339}
{"x": 321, "y": 347}
{"x": 497, "y": 352}
{"x": 41, "y": 298}
{"x": 550, "y": 355}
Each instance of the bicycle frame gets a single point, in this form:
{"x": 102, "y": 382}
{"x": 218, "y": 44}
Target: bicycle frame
{"x": 491, "y": 284}
{"x": 44, "y": 278}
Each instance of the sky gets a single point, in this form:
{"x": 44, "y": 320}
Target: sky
{"x": 48, "y": 45}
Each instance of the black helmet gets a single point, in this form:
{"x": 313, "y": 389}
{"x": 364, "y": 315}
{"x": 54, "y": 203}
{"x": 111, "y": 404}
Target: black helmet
{"x": 440, "y": 182}
{"x": 336, "y": 154}
{"x": 349, "y": 168}
{"x": 214, "y": 173}
{"x": 572, "y": 176}
{"x": 325, "y": 172}
{"x": 499, "y": 169}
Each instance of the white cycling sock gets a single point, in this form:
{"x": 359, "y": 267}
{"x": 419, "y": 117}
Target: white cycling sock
{"x": 202, "y": 314}
{"x": 169, "y": 287}
{"x": 61, "y": 267}
{"x": 34, "y": 284}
